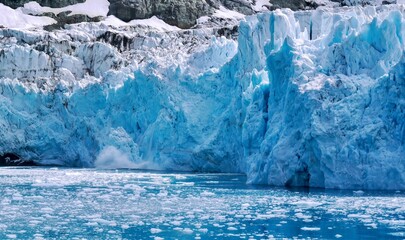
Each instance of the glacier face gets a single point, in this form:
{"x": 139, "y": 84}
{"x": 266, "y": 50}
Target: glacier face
{"x": 313, "y": 98}
{"x": 328, "y": 108}
{"x": 68, "y": 95}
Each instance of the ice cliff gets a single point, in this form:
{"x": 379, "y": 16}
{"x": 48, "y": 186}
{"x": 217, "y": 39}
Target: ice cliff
{"x": 325, "y": 106}
{"x": 308, "y": 98}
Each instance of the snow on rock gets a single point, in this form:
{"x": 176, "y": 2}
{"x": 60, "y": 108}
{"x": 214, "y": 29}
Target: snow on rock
{"x": 223, "y": 12}
{"x": 11, "y": 18}
{"x": 311, "y": 98}
{"x": 91, "y": 8}
{"x": 261, "y": 5}
{"x": 153, "y": 22}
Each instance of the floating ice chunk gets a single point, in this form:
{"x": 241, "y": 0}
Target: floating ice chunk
{"x": 358, "y": 192}
{"x": 310, "y": 229}
{"x": 307, "y": 204}
{"x": 176, "y": 223}
{"x": 91, "y": 224}
{"x": 207, "y": 194}
{"x": 187, "y": 231}
{"x": 155, "y": 230}
{"x": 47, "y": 210}
{"x": 302, "y": 216}
{"x": 398, "y": 234}
{"x": 245, "y": 205}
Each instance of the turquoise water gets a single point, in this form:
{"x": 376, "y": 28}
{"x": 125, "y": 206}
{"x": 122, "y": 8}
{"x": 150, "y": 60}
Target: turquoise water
{"x": 51, "y": 203}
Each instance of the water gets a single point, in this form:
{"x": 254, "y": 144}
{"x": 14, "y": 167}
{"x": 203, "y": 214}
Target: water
{"x": 50, "y": 203}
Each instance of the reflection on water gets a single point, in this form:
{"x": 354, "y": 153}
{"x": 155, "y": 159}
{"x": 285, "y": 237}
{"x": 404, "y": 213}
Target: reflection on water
{"x": 46, "y": 203}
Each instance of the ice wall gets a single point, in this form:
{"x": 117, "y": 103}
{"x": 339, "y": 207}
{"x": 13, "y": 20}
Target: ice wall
{"x": 66, "y": 99}
{"x": 326, "y": 106}
{"x": 300, "y": 99}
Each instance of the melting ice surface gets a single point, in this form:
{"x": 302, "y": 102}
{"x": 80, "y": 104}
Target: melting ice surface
{"x": 124, "y": 204}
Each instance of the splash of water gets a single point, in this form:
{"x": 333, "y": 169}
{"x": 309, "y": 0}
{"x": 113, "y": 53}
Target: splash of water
{"x": 112, "y": 158}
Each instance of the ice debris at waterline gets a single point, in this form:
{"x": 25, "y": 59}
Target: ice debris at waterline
{"x": 95, "y": 204}
{"x": 312, "y": 98}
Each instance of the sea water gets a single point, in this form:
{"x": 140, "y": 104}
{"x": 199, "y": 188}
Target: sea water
{"x": 58, "y": 203}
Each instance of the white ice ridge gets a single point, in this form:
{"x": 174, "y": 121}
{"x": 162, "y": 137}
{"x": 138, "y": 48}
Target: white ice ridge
{"x": 310, "y": 98}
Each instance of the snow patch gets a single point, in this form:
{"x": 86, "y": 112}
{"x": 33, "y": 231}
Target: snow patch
{"x": 91, "y": 8}
{"x": 152, "y": 22}
{"x": 11, "y": 18}
{"x": 225, "y": 13}
{"x": 261, "y": 5}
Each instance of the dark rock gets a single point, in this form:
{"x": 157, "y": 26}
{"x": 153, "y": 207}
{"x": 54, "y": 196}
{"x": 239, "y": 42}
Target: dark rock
{"x": 294, "y": 5}
{"x": 239, "y": 6}
{"x": 228, "y": 32}
{"x": 117, "y": 40}
{"x": 301, "y": 177}
{"x": 11, "y": 159}
{"x": 63, "y": 18}
{"x": 387, "y": 2}
{"x": 182, "y": 13}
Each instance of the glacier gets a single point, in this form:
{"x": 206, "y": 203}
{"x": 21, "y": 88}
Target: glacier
{"x": 307, "y": 98}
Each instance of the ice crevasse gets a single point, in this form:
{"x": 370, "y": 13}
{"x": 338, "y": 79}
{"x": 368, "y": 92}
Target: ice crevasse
{"x": 311, "y": 98}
